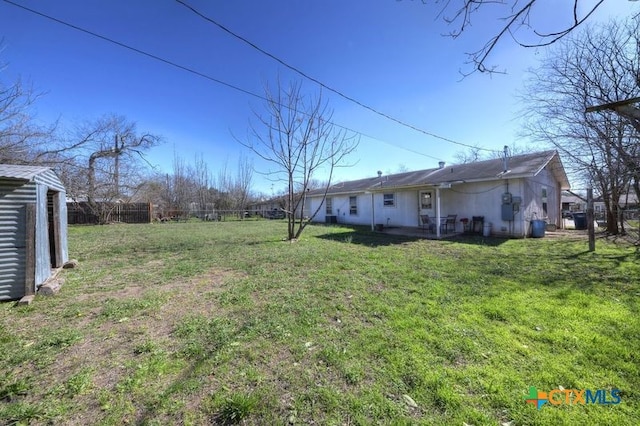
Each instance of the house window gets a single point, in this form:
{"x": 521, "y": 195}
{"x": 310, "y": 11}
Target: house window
{"x": 426, "y": 200}
{"x": 389, "y": 200}
{"x": 544, "y": 202}
{"x": 353, "y": 205}
{"x": 329, "y": 206}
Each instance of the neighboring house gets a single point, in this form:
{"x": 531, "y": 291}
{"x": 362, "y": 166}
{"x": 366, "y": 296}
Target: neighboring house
{"x": 275, "y": 207}
{"x": 572, "y": 202}
{"x": 508, "y": 194}
{"x": 265, "y": 207}
{"x": 33, "y": 228}
{"x": 628, "y": 204}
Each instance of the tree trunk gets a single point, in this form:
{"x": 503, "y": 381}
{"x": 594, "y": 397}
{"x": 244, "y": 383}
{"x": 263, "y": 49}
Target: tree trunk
{"x": 612, "y": 218}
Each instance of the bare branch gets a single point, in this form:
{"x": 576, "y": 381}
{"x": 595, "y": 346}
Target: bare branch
{"x": 459, "y": 14}
{"x": 295, "y": 133}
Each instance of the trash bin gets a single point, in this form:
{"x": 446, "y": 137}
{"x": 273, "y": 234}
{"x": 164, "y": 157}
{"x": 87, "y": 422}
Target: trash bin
{"x": 537, "y": 228}
{"x": 580, "y": 220}
{"x": 486, "y": 229}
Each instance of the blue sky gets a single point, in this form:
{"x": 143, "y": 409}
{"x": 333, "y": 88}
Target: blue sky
{"x": 390, "y": 55}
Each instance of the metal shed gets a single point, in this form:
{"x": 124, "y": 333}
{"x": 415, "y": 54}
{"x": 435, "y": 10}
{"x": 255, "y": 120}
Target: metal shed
{"x": 33, "y": 228}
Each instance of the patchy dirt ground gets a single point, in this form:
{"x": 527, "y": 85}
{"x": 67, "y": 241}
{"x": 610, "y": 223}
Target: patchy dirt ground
{"x": 108, "y": 342}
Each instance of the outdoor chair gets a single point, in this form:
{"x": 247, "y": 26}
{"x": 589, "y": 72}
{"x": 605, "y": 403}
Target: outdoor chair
{"x": 427, "y": 224}
{"x": 448, "y": 223}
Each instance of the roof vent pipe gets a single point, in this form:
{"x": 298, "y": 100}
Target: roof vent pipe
{"x": 505, "y": 161}
{"x": 441, "y": 164}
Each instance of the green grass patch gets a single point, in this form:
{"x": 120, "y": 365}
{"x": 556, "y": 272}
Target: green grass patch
{"x": 225, "y": 323}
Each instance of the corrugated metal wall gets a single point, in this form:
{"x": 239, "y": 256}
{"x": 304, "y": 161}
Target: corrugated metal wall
{"x": 42, "y": 255}
{"x": 50, "y": 180}
{"x": 14, "y": 195}
{"x": 62, "y": 212}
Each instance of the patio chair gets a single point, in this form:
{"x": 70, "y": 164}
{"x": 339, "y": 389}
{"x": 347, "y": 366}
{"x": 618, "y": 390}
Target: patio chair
{"x": 427, "y": 224}
{"x": 448, "y": 223}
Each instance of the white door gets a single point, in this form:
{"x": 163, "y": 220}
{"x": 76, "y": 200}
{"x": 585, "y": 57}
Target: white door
{"x": 426, "y": 205}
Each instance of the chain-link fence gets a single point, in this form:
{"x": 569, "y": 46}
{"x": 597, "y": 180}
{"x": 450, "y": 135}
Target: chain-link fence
{"x": 218, "y": 215}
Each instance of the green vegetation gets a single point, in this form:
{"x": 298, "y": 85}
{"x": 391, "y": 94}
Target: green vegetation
{"x": 202, "y": 322}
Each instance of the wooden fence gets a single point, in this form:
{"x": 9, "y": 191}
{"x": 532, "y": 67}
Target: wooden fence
{"x": 82, "y": 214}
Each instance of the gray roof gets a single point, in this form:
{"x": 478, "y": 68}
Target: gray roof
{"x": 518, "y": 166}
{"x": 41, "y": 175}
{"x": 11, "y": 171}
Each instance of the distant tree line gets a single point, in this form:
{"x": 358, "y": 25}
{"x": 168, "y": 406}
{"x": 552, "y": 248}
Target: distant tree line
{"x": 103, "y": 161}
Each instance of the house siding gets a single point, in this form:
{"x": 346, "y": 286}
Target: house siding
{"x": 464, "y": 200}
{"x": 463, "y": 190}
{"x": 340, "y": 208}
{"x": 404, "y": 213}
{"x": 535, "y": 209}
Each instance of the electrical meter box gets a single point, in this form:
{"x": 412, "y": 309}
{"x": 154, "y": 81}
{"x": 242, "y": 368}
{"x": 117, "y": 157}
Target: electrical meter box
{"x": 507, "y": 212}
{"x": 516, "y": 204}
{"x": 510, "y": 205}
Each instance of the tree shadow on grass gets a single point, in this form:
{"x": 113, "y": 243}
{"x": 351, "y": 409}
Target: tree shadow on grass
{"x": 368, "y": 238}
{"x": 364, "y": 236}
{"x": 479, "y": 240}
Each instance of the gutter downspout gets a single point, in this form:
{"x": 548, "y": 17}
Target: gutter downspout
{"x": 373, "y": 213}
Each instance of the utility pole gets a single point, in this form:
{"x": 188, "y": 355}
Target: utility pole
{"x": 116, "y": 171}
{"x": 590, "y": 219}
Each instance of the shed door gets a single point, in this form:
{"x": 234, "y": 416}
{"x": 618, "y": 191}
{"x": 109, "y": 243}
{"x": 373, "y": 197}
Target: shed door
{"x": 12, "y": 250}
{"x": 52, "y": 226}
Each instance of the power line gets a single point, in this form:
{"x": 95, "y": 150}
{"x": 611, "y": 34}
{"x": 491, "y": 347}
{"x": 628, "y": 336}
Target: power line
{"x": 195, "y": 72}
{"x": 323, "y": 85}
{"x": 142, "y": 52}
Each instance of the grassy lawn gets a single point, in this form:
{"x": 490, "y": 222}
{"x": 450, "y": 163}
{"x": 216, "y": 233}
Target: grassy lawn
{"x": 201, "y": 323}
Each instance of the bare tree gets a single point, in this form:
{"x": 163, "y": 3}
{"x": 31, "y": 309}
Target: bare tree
{"x": 180, "y": 189}
{"x": 598, "y": 66}
{"x": 242, "y": 184}
{"x": 224, "y": 186}
{"x": 400, "y": 168}
{"x": 297, "y": 138}
{"x": 203, "y": 184}
{"x": 469, "y": 155}
{"x": 473, "y": 154}
{"x": 105, "y": 162}
{"x": 22, "y": 141}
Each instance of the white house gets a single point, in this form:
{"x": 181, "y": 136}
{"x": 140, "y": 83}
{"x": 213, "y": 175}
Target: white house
{"x": 507, "y": 193}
